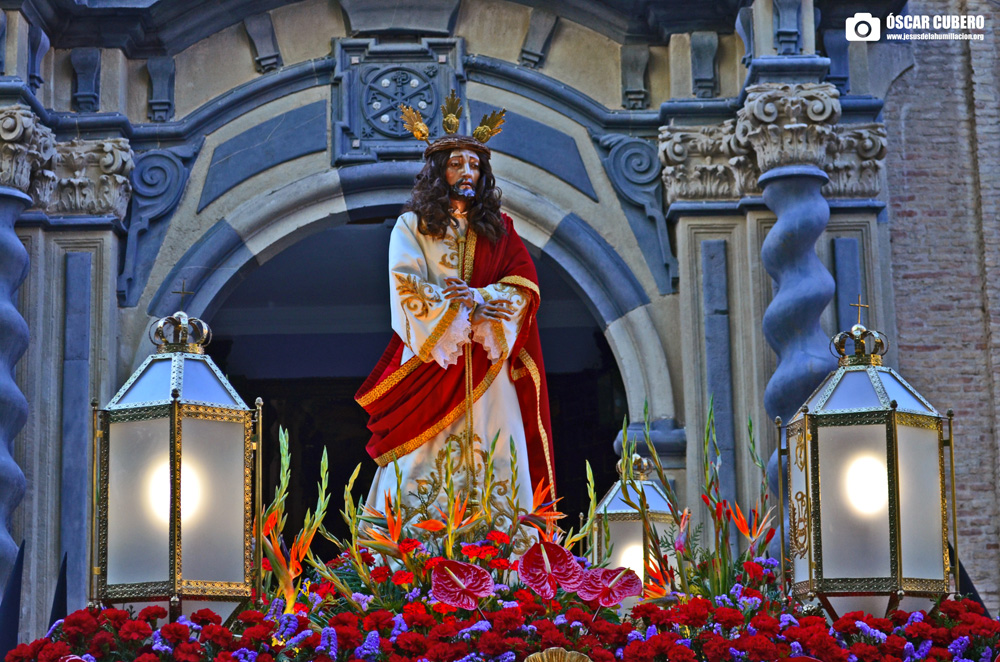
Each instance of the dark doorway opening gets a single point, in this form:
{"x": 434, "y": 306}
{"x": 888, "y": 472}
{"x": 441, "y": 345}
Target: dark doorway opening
{"x": 304, "y": 329}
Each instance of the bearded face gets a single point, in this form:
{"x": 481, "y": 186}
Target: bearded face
{"x": 462, "y": 174}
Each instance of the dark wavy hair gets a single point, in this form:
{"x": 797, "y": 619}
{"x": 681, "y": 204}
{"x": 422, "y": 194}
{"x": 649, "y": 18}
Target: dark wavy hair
{"x": 430, "y": 200}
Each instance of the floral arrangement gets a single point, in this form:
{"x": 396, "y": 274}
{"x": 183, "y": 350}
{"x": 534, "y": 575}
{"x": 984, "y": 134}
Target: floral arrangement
{"x": 474, "y": 578}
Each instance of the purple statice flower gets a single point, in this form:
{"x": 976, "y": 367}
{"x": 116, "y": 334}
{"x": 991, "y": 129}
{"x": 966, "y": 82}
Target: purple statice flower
{"x": 737, "y": 655}
{"x": 957, "y": 647}
{"x": 871, "y": 632}
{"x": 398, "y": 627}
{"x": 723, "y": 601}
{"x": 717, "y": 628}
{"x": 915, "y": 617}
{"x": 987, "y": 655}
{"x": 635, "y": 635}
{"x": 245, "y": 655}
{"x": 370, "y": 649}
{"x": 48, "y": 635}
{"x": 413, "y": 595}
{"x": 578, "y": 624}
{"x": 277, "y": 606}
{"x": 909, "y": 651}
{"x": 650, "y": 632}
{"x": 509, "y": 656}
{"x": 560, "y": 620}
{"x": 287, "y": 625}
{"x": 500, "y": 587}
{"x": 583, "y": 561}
{"x": 924, "y": 648}
{"x": 471, "y": 657}
{"x": 684, "y": 642}
{"x": 619, "y": 652}
{"x": 87, "y": 657}
{"x": 749, "y": 604}
{"x": 160, "y": 645}
{"x": 852, "y": 658}
{"x": 328, "y": 642}
{"x": 315, "y": 599}
{"x": 796, "y": 649}
{"x": 752, "y": 630}
{"x": 480, "y": 626}
{"x": 766, "y": 562}
{"x": 509, "y": 604}
{"x": 362, "y": 600}
{"x": 297, "y": 640}
{"x": 787, "y": 621}
{"x": 736, "y": 591}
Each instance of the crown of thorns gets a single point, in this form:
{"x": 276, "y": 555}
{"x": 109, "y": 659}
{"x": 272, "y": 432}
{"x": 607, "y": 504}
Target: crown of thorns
{"x": 488, "y": 127}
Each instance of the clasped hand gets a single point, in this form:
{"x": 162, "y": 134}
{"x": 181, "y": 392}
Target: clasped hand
{"x": 458, "y": 290}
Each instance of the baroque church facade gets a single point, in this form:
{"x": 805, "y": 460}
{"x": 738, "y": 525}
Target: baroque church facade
{"x": 706, "y": 188}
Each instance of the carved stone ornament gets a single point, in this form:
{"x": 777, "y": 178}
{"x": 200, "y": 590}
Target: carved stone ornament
{"x": 855, "y": 164}
{"x": 790, "y": 124}
{"x": 706, "y": 163}
{"x": 25, "y": 146}
{"x": 92, "y": 177}
{"x": 779, "y": 125}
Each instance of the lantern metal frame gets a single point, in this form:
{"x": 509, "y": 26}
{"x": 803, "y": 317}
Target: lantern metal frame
{"x": 803, "y": 450}
{"x": 175, "y": 589}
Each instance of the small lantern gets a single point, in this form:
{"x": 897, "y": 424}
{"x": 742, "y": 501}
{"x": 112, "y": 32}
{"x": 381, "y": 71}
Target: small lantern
{"x": 626, "y": 532}
{"x": 867, "y": 488}
{"x": 173, "y": 491}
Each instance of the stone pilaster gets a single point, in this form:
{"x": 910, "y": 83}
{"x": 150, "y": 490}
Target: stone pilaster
{"x": 25, "y": 146}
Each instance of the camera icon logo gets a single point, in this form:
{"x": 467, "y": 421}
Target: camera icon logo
{"x": 863, "y": 27}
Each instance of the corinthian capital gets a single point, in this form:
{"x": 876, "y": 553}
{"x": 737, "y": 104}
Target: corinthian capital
{"x": 25, "y": 146}
{"x": 91, "y": 177}
{"x": 706, "y": 163}
{"x": 855, "y": 163}
{"x": 789, "y": 124}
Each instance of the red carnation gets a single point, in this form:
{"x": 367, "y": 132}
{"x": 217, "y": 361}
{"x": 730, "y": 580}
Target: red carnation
{"x": 188, "y": 652}
{"x": 407, "y": 545}
{"x": 152, "y": 613}
{"x": 116, "y": 617}
{"x": 134, "y": 631}
{"x": 216, "y": 634}
{"x": 444, "y": 608}
{"x": 152, "y": 657}
{"x": 546, "y": 565}
{"x": 206, "y": 616}
{"x": 402, "y": 577}
{"x": 380, "y": 574}
{"x": 498, "y": 537}
{"x": 175, "y": 632}
{"x": 460, "y": 584}
{"x": 499, "y": 564}
{"x": 53, "y": 651}
{"x": 609, "y": 586}
{"x": 80, "y": 623}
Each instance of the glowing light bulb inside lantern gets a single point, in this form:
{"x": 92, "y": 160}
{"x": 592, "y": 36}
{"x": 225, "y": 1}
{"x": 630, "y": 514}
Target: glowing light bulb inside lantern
{"x": 631, "y": 557}
{"x": 159, "y": 491}
{"x": 866, "y": 483}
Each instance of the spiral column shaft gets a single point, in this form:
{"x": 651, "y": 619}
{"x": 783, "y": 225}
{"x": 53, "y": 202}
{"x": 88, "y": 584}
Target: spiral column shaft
{"x": 13, "y": 343}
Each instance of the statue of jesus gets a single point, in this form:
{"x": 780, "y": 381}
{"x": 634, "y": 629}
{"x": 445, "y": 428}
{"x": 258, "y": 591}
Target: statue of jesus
{"x": 464, "y": 364}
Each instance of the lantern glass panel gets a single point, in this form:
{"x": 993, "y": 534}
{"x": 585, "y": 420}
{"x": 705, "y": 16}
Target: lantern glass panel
{"x": 212, "y": 498}
{"x": 201, "y": 384}
{"x": 904, "y": 398}
{"x": 855, "y": 391}
{"x": 798, "y": 504}
{"x": 138, "y": 536}
{"x": 152, "y": 385}
{"x": 854, "y": 501}
{"x": 627, "y": 539}
{"x": 920, "y": 503}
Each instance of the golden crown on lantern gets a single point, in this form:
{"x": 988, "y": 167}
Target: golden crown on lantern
{"x": 488, "y": 127}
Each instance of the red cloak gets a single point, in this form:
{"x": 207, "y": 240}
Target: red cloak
{"x": 410, "y": 404}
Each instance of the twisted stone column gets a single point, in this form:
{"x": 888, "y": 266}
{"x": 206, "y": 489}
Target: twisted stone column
{"x": 25, "y": 146}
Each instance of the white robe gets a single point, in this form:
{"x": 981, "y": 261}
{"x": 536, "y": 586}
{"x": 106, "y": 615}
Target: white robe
{"x": 418, "y": 266}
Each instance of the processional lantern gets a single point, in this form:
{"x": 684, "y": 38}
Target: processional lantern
{"x": 173, "y": 490}
{"x": 866, "y": 478}
{"x": 619, "y": 526}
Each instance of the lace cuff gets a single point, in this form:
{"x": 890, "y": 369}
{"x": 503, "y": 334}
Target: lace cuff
{"x": 491, "y": 336}
{"x": 448, "y": 349}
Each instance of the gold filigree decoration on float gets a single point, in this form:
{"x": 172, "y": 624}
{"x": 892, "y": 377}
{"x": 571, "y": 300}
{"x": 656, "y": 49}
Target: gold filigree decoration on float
{"x": 417, "y": 296}
{"x": 798, "y": 520}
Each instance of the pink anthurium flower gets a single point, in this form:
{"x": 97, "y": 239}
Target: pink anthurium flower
{"x": 609, "y": 586}
{"x": 546, "y": 566}
{"x": 460, "y": 584}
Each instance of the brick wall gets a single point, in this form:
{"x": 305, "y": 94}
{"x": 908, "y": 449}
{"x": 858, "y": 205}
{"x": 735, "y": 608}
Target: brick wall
{"x": 943, "y": 166}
